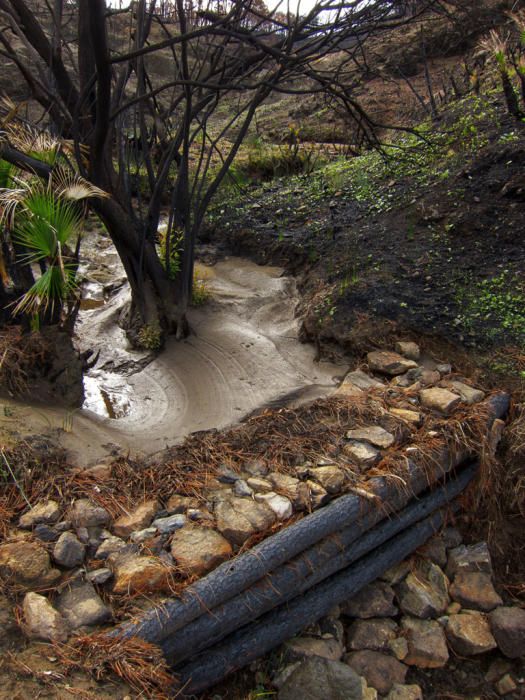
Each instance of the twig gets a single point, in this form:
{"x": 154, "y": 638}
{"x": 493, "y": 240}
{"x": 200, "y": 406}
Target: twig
{"x": 15, "y": 480}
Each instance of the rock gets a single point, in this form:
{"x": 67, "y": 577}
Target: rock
{"x": 469, "y": 633}
{"x": 99, "y": 576}
{"x": 259, "y": 485}
{"x": 197, "y": 514}
{"x": 226, "y": 475}
{"x": 169, "y": 524}
{"x": 359, "y": 380}
{"x": 281, "y": 506}
{"x": 283, "y": 674}
{"x": 241, "y": 489}
{"x": 444, "y": 368}
{"x": 427, "y": 646}
{"x": 508, "y": 627}
{"x": 453, "y": 609}
{"x": 496, "y": 435}
{"x": 405, "y": 692}
{"x": 140, "y": 536}
{"x": 374, "y": 600}
{"x": 138, "y": 519}
{"x": 389, "y": 363}
{"x": 408, "y": 349}
{"x": 397, "y": 573}
{"x": 46, "y": 512}
{"x": 474, "y": 557}
{"x": 399, "y": 648}
{"x": 435, "y": 551}
{"x": 372, "y": 634}
{"x": 256, "y": 467}
{"x": 46, "y": 533}
{"x": 110, "y": 546}
{"x": 381, "y": 671}
{"x": 474, "y": 589}
{"x": 412, "y": 417}
{"x": 468, "y": 394}
{"x": 304, "y": 647}
{"x": 498, "y": 668}
{"x": 240, "y": 518}
{"x": 331, "y": 478}
{"x": 318, "y": 495}
{"x": 374, "y": 434}
{"x": 425, "y": 377}
{"x": 81, "y": 606}
{"x": 198, "y": 549}
{"x": 424, "y": 593}
{"x": 27, "y": 564}
{"x": 506, "y": 685}
{"x": 84, "y": 513}
{"x": 362, "y": 453}
{"x": 137, "y": 574}
{"x": 292, "y": 488}
{"x": 180, "y": 504}
{"x": 68, "y": 551}
{"x": 42, "y": 620}
{"x": 441, "y": 400}
{"x": 322, "y": 679}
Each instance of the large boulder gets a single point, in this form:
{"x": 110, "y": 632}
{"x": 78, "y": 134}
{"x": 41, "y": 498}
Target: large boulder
{"x": 198, "y": 549}
{"x": 41, "y": 619}
{"x": 81, "y": 606}
{"x": 240, "y": 518}
{"x": 27, "y": 564}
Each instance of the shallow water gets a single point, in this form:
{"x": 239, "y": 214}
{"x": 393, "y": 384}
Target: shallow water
{"x": 243, "y": 353}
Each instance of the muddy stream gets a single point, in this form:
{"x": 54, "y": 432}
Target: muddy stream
{"x": 242, "y": 355}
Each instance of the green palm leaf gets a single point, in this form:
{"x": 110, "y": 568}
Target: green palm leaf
{"x": 56, "y": 285}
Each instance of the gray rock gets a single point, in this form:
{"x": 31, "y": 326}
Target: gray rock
{"x": 240, "y": 518}
{"x": 46, "y": 512}
{"x": 226, "y": 475}
{"x": 169, "y": 524}
{"x": 441, "y": 400}
{"x": 241, "y": 489}
{"x": 138, "y": 519}
{"x": 46, "y": 533}
{"x": 140, "y": 536}
{"x": 444, "y": 368}
{"x": 451, "y": 537}
{"x": 474, "y": 590}
{"x": 372, "y": 634}
{"x": 27, "y": 564}
{"x": 407, "y": 415}
{"x": 469, "y": 633}
{"x": 318, "y": 495}
{"x": 281, "y": 506}
{"x": 374, "y": 600}
{"x": 85, "y": 513}
{"x": 362, "y": 453}
{"x": 468, "y": 394}
{"x": 292, "y": 488}
{"x": 331, "y": 478}
{"x": 381, "y": 671}
{"x": 303, "y": 647}
{"x": 42, "y": 620}
{"x": 109, "y": 546}
{"x": 390, "y": 363}
{"x": 82, "y": 606}
{"x": 374, "y": 434}
{"x": 408, "y": 349}
{"x": 424, "y": 593}
{"x": 405, "y": 692}
{"x": 180, "y": 504}
{"x": 508, "y": 627}
{"x": 435, "y": 551}
{"x": 322, "y": 679}
{"x": 99, "y": 576}
{"x": 198, "y": 549}
{"x": 68, "y": 551}
{"x": 259, "y": 485}
{"x": 397, "y": 573}
{"x": 427, "y": 646}
{"x": 362, "y": 381}
{"x": 474, "y": 557}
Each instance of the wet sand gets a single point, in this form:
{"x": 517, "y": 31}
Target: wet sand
{"x": 243, "y": 354}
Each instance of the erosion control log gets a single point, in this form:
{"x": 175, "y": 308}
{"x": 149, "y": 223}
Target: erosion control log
{"x": 236, "y": 576}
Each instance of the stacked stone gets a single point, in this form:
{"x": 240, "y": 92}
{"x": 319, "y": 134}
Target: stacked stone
{"x": 442, "y": 600}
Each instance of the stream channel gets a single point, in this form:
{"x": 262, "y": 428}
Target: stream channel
{"x": 243, "y": 354}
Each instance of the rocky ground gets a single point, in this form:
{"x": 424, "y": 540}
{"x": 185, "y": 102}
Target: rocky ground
{"x": 101, "y": 544}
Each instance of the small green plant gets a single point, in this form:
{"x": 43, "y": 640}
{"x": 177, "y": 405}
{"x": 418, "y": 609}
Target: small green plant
{"x": 170, "y": 245}
{"x": 150, "y": 337}
{"x": 200, "y": 293}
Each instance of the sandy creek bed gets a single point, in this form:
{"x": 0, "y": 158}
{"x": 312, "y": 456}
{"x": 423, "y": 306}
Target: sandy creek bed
{"x": 243, "y": 354}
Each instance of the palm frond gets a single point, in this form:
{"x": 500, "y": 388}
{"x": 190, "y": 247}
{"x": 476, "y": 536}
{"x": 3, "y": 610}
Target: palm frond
{"x": 54, "y": 286}
{"x": 32, "y": 142}
{"x": 7, "y": 171}
{"x": 46, "y": 223}
{"x": 70, "y": 185}
{"x": 10, "y": 200}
